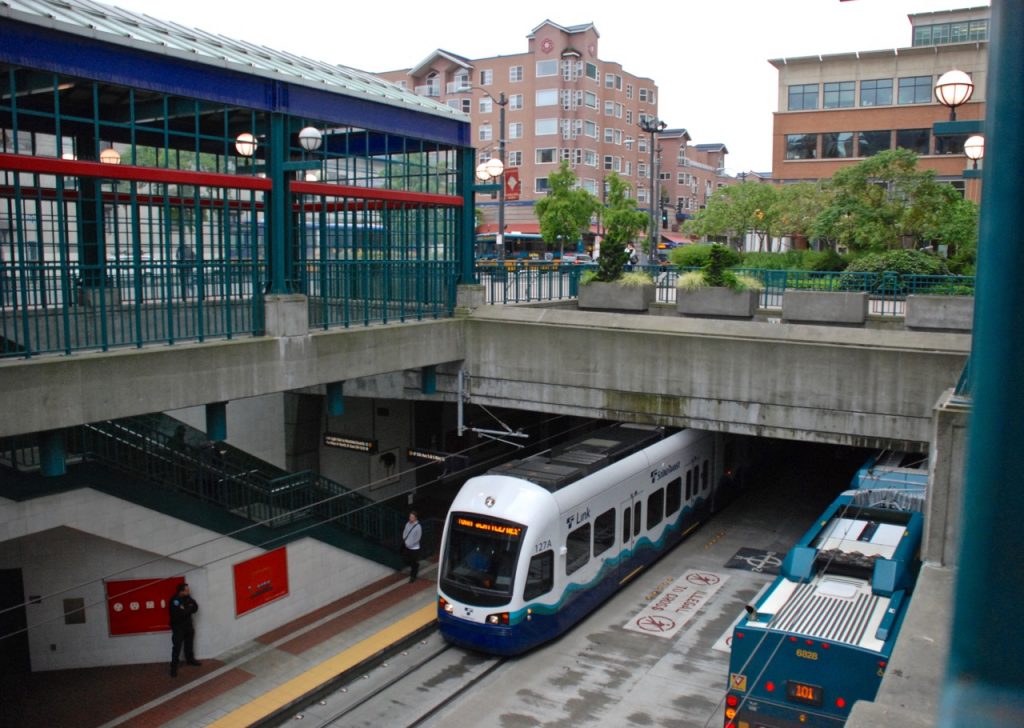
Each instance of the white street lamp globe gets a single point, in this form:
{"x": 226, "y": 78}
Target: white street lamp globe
{"x": 110, "y": 156}
{"x": 974, "y": 147}
{"x": 494, "y": 167}
{"x": 245, "y": 144}
{"x": 481, "y": 172}
{"x": 954, "y": 88}
{"x": 310, "y": 138}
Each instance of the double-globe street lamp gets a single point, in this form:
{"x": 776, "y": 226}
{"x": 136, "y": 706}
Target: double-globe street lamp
{"x": 496, "y": 170}
{"x": 652, "y": 125}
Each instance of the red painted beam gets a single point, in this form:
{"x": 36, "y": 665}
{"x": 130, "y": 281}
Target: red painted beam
{"x": 76, "y": 168}
{"x": 370, "y": 193}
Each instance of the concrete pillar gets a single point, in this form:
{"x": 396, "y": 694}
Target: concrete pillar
{"x": 946, "y": 462}
{"x": 285, "y": 314}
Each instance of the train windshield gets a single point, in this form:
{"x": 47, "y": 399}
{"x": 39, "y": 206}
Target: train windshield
{"x": 479, "y": 563}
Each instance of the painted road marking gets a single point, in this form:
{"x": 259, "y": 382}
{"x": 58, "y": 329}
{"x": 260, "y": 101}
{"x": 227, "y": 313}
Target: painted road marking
{"x": 724, "y": 643}
{"x": 676, "y": 604}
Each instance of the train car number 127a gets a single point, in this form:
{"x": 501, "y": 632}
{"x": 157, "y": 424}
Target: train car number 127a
{"x": 542, "y": 546}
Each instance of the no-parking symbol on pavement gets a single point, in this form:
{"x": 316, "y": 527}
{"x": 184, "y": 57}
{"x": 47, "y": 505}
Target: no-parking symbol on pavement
{"x": 676, "y": 603}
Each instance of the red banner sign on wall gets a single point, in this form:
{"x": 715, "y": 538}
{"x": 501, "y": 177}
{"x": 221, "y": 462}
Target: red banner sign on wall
{"x": 512, "y": 185}
{"x": 137, "y": 606}
{"x": 260, "y": 580}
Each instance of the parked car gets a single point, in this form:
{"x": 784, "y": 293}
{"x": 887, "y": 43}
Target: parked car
{"x": 576, "y": 259}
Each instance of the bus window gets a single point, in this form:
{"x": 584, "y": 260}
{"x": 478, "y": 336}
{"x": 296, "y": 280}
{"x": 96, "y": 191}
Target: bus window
{"x": 655, "y": 508}
{"x": 541, "y": 575}
{"x": 577, "y": 549}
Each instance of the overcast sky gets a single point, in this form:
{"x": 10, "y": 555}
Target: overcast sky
{"x": 708, "y": 57}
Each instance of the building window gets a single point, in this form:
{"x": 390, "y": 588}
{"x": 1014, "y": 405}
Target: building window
{"x": 547, "y": 68}
{"x": 801, "y": 146}
{"x": 609, "y": 135}
{"x": 486, "y": 77}
{"x": 950, "y": 144}
{"x": 877, "y": 92}
{"x": 641, "y": 170}
{"x": 590, "y": 157}
{"x": 486, "y": 105}
{"x": 643, "y": 95}
{"x": 641, "y": 145}
{"x": 839, "y": 95}
{"x": 629, "y": 90}
{"x": 540, "y": 184}
{"x": 609, "y": 80}
{"x": 592, "y": 72}
{"x": 590, "y": 129}
{"x": 515, "y": 102}
{"x": 515, "y": 159}
{"x": 545, "y": 126}
{"x": 546, "y": 155}
{"x": 837, "y": 145}
{"x": 515, "y": 73}
{"x": 803, "y": 96}
{"x": 546, "y": 97}
{"x": 515, "y": 130}
{"x": 629, "y": 144}
{"x": 870, "y": 143}
{"x": 589, "y": 185}
{"x": 609, "y": 108}
{"x": 590, "y": 100}
{"x": 484, "y": 133}
{"x": 915, "y": 90}
{"x": 608, "y": 162}
{"x": 958, "y": 32}
{"x": 629, "y": 118}
{"x": 916, "y": 140}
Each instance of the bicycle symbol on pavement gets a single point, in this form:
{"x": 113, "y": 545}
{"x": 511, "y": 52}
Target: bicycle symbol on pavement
{"x": 756, "y": 560}
{"x": 655, "y": 623}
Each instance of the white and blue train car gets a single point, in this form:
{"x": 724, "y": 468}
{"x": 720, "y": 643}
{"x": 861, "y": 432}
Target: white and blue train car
{"x": 533, "y": 546}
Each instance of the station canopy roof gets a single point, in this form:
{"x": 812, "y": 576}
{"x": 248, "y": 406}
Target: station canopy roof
{"x": 114, "y": 25}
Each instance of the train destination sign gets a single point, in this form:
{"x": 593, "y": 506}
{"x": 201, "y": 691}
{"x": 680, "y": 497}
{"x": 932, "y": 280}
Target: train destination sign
{"x": 345, "y": 442}
{"x": 499, "y": 528}
{"x": 415, "y": 454}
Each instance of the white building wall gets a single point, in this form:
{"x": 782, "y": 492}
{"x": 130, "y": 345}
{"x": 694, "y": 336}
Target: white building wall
{"x": 66, "y": 545}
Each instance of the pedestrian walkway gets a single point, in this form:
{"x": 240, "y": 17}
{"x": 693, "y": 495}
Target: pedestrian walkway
{"x": 299, "y": 653}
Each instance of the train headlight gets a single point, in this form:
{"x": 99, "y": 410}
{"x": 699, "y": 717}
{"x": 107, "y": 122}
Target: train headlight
{"x": 444, "y": 604}
{"x": 500, "y": 618}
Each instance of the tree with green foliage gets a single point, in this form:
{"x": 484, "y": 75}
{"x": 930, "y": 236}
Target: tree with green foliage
{"x": 735, "y": 210}
{"x": 797, "y": 206}
{"x": 622, "y": 223}
{"x": 882, "y": 202}
{"x": 567, "y": 208}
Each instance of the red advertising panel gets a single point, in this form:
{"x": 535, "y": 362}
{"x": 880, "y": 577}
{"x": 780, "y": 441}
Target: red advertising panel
{"x": 260, "y": 580}
{"x": 137, "y": 606}
{"x": 512, "y": 185}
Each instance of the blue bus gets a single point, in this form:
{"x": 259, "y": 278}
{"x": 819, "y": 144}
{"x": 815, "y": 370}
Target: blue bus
{"x": 820, "y": 637}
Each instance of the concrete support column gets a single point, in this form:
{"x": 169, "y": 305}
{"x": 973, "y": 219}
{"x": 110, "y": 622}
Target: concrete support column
{"x": 285, "y": 314}
{"x": 947, "y": 457}
{"x": 468, "y": 297}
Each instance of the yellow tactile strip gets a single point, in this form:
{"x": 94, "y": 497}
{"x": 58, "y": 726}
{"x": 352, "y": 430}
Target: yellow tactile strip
{"x": 290, "y": 692}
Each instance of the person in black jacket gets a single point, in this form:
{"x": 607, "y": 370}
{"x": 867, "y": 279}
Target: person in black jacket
{"x": 181, "y": 609}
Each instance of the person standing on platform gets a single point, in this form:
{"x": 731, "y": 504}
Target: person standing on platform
{"x": 181, "y": 609}
{"x": 411, "y": 535}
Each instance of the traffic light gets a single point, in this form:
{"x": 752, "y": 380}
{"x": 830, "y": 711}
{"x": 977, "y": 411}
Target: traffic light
{"x": 664, "y": 219}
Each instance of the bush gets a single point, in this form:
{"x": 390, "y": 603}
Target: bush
{"x": 698, "y": 256}
{"x": 903, "y": 262}
{"x": 788, "y": 260}
{"x": 825, "y": 260}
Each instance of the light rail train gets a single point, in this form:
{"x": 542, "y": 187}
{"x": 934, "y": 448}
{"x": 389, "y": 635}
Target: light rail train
{"x": 820, "y": 638}
{"x": 534, "y": 545}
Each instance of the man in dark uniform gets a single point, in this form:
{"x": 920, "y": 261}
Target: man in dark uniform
{"x": 181, "y": 609}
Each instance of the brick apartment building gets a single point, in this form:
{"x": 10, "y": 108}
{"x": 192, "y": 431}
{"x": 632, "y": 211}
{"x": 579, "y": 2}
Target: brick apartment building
{"x": 563, "y": 102}
{"x": 837, "y": 109}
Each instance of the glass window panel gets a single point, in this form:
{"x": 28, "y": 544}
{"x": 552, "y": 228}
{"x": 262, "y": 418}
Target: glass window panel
{"x": 876, "y": 92}
{"x": 837, "y": 145}
{"x": 655, "y": 508}
{"x": 801, "y": 146}
{"x": 673, "y": 496}
{"x": 915, "y": 90}
{"x": 916, "y": 140}
{"x": 577, "y": 547}
{"x": 950, "y": 144}
{"x": 803, "y": 97}
{"x": 540, "y": 576}
{"x": 870, "y": 143}
{"x": 604, "y": 531}
{"x": 839, "y": 95}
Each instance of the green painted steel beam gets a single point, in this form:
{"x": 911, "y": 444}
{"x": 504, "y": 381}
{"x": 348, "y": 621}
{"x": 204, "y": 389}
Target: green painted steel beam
{"x": 984, "y": 683}
{"x": 958, "y": 128}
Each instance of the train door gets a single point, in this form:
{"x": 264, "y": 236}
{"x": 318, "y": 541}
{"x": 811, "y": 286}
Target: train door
{"x": 630, "y": 513}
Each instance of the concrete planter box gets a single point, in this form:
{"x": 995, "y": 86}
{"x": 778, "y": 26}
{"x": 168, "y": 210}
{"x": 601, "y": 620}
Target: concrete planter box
{"x": 717, "y": 303}
{"x": 600, "y": 296}
{"x": 825, "y": 307}
{"x": 940, "y": 313}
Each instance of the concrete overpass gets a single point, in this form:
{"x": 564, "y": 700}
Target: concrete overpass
{"x": 872, "y": 387}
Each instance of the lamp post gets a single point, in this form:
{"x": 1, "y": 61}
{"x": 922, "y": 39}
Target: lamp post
{"x": 953, "y": 89}
{"x": 502, "y": 102}
{"x": 652, "y": 125}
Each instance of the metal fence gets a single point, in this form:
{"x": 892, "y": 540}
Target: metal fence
{"x": 887, "y": 291}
